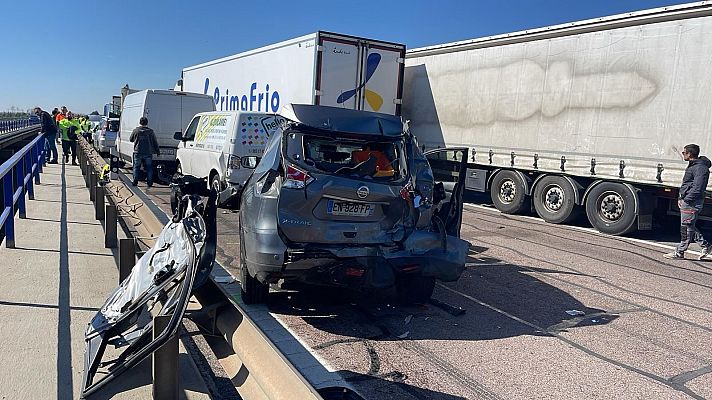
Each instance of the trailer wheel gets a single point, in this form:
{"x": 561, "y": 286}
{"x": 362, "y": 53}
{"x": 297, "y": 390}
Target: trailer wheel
{"x": 507, "y": 192}
{"x": 251, "y": 289}
{"x": 610, "y": 208}
{"x": 554, "y": 200}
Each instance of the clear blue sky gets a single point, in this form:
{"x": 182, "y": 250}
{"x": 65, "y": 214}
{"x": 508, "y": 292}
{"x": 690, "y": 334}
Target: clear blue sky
{"x": 79, "y": 53}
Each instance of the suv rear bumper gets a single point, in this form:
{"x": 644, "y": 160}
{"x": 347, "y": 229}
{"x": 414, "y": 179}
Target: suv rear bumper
{"x": 374, "y": 266}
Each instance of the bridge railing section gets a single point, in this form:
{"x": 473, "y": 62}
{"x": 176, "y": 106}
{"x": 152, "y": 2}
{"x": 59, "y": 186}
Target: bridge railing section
{"x": 18, "y": 175}
{"x": 15, "y": 124}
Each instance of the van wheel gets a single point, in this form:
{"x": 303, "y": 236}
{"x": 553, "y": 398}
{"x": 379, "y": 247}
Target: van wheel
{"x": 215, "y": 183}
{"x": 555, "y": 200}
{"x": 414, "y": 289}
{"x": 610, "y": 208}
{"x": 507, "y": 192}
{"x": 252, "y": 290}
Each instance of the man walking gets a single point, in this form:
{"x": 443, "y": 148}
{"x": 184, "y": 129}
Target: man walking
{"x": 691, "y": 200}
{"x": 145, "y": 145}
{"x": 49, "y": 129}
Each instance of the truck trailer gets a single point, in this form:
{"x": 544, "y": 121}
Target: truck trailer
{"x": 321, "y": 68}
{"x": 587, "y": 116}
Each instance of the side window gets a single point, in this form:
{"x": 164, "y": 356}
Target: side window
{"x": 190, "y": 132}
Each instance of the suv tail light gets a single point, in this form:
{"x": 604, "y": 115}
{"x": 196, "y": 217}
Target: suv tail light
{"x": 296, "y": 178}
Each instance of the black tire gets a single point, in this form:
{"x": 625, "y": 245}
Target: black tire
{"x": 414, "y": 289}
{"x": 215, "y": 183}
{"x": 555, "y": 200}
{"x": 252, "y": 290}
{"x": 508, "y": 193}
{"x": 610, "y": 208}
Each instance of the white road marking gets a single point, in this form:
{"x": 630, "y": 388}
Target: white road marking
{"x": 582, "y": 229}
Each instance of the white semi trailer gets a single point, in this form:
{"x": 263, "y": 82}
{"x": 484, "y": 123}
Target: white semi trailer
{"x": 590, "y": 115}
{"x": 321, "y": 68}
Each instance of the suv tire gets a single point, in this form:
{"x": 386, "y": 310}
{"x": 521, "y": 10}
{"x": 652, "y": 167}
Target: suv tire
{"x": 252, "y": 290}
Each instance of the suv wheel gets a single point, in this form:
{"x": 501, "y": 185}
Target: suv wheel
{"x": 252, "y": 290}
{"x": 414, "y": 289}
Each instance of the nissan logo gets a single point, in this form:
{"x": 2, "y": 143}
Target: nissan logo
{"x": 362, "y": 192}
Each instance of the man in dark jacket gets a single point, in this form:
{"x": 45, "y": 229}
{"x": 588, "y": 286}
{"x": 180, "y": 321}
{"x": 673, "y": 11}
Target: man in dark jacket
{"x": 49, "y": 129}
{"x": 691, "y": 200}
{"x": 145, "y": 145}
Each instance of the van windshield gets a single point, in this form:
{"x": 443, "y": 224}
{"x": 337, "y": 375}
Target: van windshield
{"x": 370, "y": 158}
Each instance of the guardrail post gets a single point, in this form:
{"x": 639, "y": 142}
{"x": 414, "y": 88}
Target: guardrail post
{"x": 20, "y": 185}
{"x": 7, "y": 203}
{"x": 36, "y": 162}
{"x": 110, "y": 221}
{"x": 165, "y": 362}
{"x": 27, "y": 174}
{"x": 99, "y": 203}
{"x": 92, "y": 185}
{"x": 127, "y": 257}
{"x": 86, "y": 172}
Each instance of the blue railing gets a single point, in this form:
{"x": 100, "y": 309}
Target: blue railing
{"x": 15, "y": 180}
{"x": 15, "y": 124}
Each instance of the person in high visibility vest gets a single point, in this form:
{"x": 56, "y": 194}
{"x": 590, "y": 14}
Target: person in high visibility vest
{"x": 70, "y": 128}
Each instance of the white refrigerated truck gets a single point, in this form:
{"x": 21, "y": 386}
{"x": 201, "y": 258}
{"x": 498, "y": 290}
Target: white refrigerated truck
{"x": 320, "y": 68}
{"x": 587, "y": 116}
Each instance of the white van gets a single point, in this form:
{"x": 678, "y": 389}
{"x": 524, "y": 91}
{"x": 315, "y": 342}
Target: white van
{"x": 168, "y": 112}
{"x": 225, "y": 146}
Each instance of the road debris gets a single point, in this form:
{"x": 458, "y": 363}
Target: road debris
{"x": 452, "y": 310}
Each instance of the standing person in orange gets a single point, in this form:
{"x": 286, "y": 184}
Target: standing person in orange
{"x": 62, "y": 115}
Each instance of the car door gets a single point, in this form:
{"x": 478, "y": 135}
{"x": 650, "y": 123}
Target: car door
{"x": 449, "y": 166}
{"x": 187, "y": 148}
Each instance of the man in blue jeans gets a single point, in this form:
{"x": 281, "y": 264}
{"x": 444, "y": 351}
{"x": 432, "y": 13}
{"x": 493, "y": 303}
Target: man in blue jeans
{"x": 49, "y": 129}
{"x": 691, "y": 200}
{"x": 145, "y": 145}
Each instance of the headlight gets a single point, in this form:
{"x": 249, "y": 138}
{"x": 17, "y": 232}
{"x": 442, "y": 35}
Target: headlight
{"x": 233, "y": 162}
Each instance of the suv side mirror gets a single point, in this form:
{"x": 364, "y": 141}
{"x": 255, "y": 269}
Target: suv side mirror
{"x": 178, "y": 136}
{"x": 249, "y": 162}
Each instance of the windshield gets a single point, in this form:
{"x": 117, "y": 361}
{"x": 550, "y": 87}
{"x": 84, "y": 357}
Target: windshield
{"x": 370, "y": 157}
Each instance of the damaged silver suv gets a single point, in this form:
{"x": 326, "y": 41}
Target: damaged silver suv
{"x": 346, "y": 198}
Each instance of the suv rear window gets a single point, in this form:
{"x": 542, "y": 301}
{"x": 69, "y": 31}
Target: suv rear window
{"x": 369, "y": 158}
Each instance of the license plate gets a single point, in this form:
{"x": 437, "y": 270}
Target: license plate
{"x": 349, "y": 209}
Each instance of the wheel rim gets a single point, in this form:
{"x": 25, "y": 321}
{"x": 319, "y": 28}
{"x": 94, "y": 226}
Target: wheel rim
{"x": 553, "y": 198}
{"x": 507, "y": 191}
{"x": 611, "y": 206}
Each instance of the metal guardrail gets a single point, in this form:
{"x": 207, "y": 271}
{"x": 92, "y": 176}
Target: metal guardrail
{"x": 265, "y": 372}
{"x": 10, "y": 139}
{"x": 15, "y": 124}
{"x": 15, "y": 180}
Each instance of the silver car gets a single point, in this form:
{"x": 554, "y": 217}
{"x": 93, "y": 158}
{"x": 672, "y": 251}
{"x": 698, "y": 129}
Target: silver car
{"x": 346, "y": 198}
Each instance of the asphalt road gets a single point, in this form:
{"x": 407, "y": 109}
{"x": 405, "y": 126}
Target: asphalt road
{"x": 551, "y": 311}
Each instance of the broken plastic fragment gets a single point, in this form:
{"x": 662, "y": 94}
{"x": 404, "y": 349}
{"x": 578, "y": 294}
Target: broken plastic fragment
{"x": 575, "y": 313}
{"x": 408, "y": 319}
{"x": 404, "y": 335}
{"x": 226, "y": 279}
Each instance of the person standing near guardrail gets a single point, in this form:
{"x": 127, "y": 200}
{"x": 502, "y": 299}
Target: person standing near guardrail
{"x": 70, "y": 128}
{"x": 49, "y": 130}
{"x": 691, "y": 201}
{"x": 145, "y": 145}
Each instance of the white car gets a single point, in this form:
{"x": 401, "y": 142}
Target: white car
{"x": 105, "y": 135}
